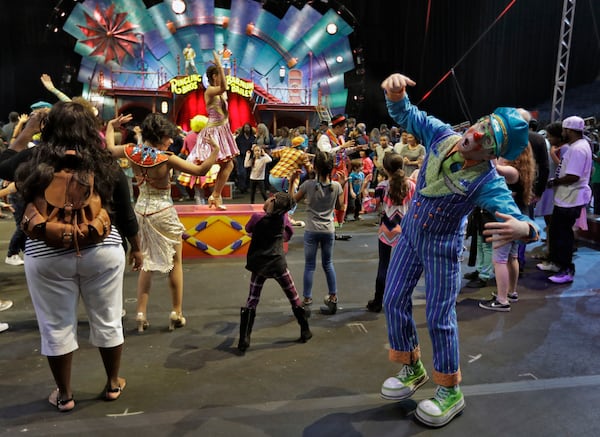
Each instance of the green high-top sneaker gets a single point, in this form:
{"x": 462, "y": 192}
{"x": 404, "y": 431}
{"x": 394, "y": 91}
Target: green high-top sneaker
{"x": 441, "y": 409}
{"x": 405, "y": 383}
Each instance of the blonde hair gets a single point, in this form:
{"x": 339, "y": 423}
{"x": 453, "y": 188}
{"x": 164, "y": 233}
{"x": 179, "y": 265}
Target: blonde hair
{"x": 525, "y": 165}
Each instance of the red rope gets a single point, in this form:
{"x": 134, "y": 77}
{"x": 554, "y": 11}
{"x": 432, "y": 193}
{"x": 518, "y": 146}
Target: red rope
{"x": 428, "y": 93}
{"x": 427, "y": 19}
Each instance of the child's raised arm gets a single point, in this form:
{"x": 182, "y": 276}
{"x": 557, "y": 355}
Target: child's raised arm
{"x": 116, "y": 151}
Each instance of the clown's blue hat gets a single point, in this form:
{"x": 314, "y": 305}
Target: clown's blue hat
{"x": 39, "y": 105}
{"x": 511, "y": 132}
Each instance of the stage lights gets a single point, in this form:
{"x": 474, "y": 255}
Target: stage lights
{"x": 178, "y": 6}
{"x": 331, "y": 28}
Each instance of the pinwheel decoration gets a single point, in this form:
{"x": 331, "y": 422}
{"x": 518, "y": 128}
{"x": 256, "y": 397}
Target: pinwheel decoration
{"x": 109, "y": 34}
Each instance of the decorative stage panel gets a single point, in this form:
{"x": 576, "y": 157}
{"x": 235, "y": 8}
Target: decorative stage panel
{"x": 132, "y": 53}
{"x": 214, "y": 233}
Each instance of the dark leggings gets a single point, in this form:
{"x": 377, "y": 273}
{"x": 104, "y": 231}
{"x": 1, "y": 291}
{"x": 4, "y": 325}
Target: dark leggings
{"x": 17, "y": 241}
{"x": 385, "y": 252}
{"x": 260, "y": 183}
{"x": 286, "y": 282}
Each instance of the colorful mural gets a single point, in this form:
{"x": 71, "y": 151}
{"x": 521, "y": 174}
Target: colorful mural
{"x": 124, "y": 44}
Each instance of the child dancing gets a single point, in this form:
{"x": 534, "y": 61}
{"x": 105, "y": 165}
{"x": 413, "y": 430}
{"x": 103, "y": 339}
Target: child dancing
{"x": 266, "y": 259}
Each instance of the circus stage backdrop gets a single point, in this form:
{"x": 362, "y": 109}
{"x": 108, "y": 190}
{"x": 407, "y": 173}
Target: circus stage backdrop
{"x": 132, "y": 57}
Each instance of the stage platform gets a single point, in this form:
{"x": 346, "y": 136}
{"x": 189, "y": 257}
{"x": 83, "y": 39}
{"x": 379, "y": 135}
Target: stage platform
{"x": 215, "y": 233}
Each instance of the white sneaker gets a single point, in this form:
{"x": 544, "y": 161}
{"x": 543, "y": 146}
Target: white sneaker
{"x": 5, "y": 304}
{"x": 3, "y": 327}
{"x": 548, "y": 266}
{"x": 14, "y": 260}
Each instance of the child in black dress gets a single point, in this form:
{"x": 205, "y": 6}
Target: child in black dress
{"x": 266, "y": 259}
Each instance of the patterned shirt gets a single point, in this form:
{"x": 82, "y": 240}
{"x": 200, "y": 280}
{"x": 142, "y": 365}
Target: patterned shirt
{"x": 391, "y": 214}
{"x": 290, "y": 159}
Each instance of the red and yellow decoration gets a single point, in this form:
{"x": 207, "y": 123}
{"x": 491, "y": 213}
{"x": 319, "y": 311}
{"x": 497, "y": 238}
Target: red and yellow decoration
{"x": 109, "y": 34}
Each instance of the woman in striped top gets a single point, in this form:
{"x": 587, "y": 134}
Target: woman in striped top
{"x": 57, "y": 277}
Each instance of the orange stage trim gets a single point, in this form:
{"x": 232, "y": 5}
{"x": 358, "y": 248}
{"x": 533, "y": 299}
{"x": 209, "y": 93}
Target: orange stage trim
{"x": 214, "y": 233}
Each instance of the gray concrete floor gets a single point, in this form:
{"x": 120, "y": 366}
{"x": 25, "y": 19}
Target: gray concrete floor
{"x": 530, "y": 372}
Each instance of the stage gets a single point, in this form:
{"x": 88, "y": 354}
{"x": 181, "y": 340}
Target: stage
{"x": 215, "y": 233}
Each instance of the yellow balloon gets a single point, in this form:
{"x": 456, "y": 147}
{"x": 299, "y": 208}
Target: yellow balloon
{"x": 198, "y": 122}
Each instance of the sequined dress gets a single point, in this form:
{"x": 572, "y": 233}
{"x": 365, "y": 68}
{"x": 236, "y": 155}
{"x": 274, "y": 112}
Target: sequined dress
{"x": 159, "y": 227}
{"x": 217, "y": 127}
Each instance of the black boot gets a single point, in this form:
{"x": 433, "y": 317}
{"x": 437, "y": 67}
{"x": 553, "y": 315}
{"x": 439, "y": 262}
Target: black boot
{"x": 305, "y": 333}
{"x": 376, "y": 305}
{"x": 246, "y": 322}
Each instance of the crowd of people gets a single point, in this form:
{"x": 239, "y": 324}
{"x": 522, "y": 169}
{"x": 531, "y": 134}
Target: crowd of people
{"x": 432, "y": 186}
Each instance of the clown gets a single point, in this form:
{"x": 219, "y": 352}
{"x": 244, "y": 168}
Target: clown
{"x": 457, "y": 175}
{"x": 332, "y": 141}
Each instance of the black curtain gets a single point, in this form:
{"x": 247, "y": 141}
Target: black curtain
{"x": 28, "y": 49}
{"x": 513, "y": 64}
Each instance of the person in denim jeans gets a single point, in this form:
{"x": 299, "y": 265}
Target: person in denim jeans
{"x": 323, "y": 196}
{"x": 17, "y": 241}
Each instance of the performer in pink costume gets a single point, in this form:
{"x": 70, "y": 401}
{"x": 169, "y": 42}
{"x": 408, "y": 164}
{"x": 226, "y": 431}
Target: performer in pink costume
{"x": 218, "y": 128}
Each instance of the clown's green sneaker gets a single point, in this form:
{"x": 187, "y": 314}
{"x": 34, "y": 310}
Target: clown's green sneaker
{"x": 441, "y": 409}
{"x": 405, "y": 383}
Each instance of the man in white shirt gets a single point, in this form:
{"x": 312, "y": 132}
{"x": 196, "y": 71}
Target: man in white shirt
{"x": 571, "y": 193}
{"x": 189, "y": 54}
{"x": 332, "y": 139}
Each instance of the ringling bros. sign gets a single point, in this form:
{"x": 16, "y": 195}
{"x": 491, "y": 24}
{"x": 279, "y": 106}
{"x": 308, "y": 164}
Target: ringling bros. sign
{"x": 192, "y": 82}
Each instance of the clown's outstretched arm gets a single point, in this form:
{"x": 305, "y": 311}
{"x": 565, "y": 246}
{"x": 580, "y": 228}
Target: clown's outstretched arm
{"x": 395, "y": 86}
{"x": 408, "y": 116}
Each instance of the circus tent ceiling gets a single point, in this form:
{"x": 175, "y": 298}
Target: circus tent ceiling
{"x": 495, "y": 62}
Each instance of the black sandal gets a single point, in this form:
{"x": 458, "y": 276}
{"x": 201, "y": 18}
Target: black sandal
{"x": 118, "y": 390}
{"x": 61, "y": 405}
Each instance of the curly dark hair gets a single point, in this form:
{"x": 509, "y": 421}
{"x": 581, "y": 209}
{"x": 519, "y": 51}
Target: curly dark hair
{"x": 554, "y": 129}
{"x": 69, "y": 139}
{"x": 393, "y": 165}
{"x": 155, "y": 127}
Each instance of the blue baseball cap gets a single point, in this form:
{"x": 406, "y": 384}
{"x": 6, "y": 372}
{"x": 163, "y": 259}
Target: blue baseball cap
{"x": 39, "y": 105}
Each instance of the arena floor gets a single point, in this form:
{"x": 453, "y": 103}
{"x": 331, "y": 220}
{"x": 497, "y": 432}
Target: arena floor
{"x": 530, "y": 372}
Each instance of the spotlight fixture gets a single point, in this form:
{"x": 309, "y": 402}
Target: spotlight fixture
{"x": 178, "y": 6}
{"x": 339, "y": 59}
{"x": 331, "y": 28}
{"x": 281, "y": 73}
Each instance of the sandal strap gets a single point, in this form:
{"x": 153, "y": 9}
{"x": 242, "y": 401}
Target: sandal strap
{"x": 113, "y": 390}
{"x": 62, "y": 402}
